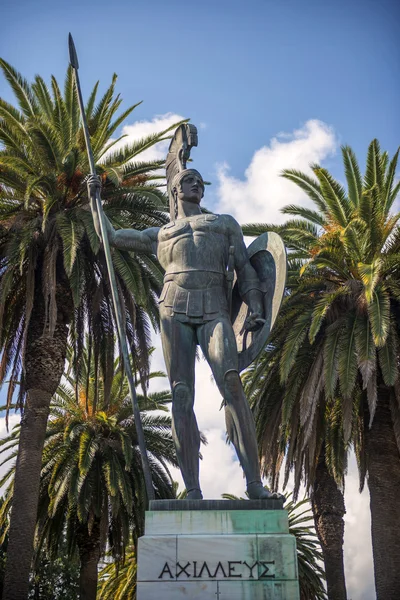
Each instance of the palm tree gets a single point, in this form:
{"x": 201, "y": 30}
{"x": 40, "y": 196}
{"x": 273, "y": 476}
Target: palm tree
{"x": 52, "y": 269}
{"x": 309, "y": 557}
{"x": 92, "y": 485}
{"x": 321, "y": 462}
{"x": 3, "y": 547}
{"x": 344, "y": 311}
{"x": 118, "y": 582}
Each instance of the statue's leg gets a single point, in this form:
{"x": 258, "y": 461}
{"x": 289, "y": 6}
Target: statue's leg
{"x": 179, "y": 348}
{"x": 218, "y": 344}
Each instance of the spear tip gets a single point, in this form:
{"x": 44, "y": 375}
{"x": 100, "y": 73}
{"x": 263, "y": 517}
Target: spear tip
{"x": 73, "y": 57}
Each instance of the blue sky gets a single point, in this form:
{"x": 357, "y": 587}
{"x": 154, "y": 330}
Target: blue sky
{"x": 248, "y": 70}
{"x": 324, "y": 73}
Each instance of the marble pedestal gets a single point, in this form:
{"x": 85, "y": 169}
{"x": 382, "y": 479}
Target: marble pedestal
{"x": 217, "y": 550}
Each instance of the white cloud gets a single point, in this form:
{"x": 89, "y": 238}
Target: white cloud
{"x": 357, "y": 539}
{"x": 220, "y": 471}
{"x": 261, "y": 195}
{"x": 13, "y": 419}
{"x": 141, "y": 129}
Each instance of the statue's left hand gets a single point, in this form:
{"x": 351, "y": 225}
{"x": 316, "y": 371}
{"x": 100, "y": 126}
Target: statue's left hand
{"x": 253, "y": 322}
{"x": 255, "y": 319}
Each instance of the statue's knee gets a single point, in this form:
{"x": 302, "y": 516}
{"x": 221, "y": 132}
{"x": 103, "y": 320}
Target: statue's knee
{"x": 182, "y": 395}
{"x": 232, "y": 382}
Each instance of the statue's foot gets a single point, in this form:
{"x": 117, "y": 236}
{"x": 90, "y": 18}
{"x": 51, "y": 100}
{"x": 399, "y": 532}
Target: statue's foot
{"x": 257, "y": 491}
{"x": 194, "y": 494}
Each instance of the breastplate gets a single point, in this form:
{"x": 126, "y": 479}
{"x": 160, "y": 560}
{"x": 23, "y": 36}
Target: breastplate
{"x": 198, "y": 244}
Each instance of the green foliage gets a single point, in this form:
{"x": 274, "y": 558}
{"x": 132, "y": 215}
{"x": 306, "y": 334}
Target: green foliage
{"x": 309, "y": 555}
{"x": 118, "y": 582}
{"x": 91, "y": 468}
{"x": 3, "y": 546}
{"x": 336, "y": 337}
{"x": 49, "y": 251}
{"x": 55, "y": 579}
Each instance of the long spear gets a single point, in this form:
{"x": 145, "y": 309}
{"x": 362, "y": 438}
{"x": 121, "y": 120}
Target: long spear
{"x": 114, "y": 293}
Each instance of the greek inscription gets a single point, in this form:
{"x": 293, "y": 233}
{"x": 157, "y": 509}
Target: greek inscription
{"x": 166, "y": 569}
{"x": 231, "y": 569}
{"x": 225, "y": 570}
{"x": 182, "y": 569}
{"x": 205, "y": 566}
{"x": 251, "y": 576}
{"x": 219, "y": 566}
{"x": 264, "y": 564}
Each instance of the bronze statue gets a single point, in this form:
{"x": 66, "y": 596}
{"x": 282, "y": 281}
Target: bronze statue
{"x": 199, "y": 305}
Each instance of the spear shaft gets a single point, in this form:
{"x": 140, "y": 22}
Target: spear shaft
{"x": 121, "y": 326}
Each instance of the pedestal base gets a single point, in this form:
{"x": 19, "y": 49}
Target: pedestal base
{"x": 224, "y": 550}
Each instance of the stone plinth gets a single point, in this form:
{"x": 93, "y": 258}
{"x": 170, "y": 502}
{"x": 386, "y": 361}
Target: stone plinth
{"x": 217, "y": 549}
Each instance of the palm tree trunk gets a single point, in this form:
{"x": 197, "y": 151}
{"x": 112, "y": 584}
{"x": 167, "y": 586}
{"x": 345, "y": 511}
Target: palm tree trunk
{"x": 383, "y": 464}
{"x": 328, "y": 508}
{"x": 43, "y": 367}
{"x": 89, "y": 553}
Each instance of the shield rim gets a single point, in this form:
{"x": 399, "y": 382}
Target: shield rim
{"x": 264, "y": 242}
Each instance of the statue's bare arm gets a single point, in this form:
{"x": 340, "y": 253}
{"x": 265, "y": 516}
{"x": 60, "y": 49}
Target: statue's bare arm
{"x": 124, "y": 239}
{"x": 139, "y": 241}
{"x": 248, "y": 282}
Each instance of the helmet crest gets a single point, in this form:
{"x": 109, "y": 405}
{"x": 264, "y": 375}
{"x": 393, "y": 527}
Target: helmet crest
{"x": 185, "y": 137}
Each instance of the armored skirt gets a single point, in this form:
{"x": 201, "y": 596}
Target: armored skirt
{"x": 193, "y": 305}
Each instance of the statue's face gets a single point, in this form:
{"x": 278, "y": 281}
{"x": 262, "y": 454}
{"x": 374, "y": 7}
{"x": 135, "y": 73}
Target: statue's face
{"x": 191, "y": 188}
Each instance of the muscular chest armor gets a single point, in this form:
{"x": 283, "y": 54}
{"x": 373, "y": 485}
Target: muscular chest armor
{"x": 196, "y": 244}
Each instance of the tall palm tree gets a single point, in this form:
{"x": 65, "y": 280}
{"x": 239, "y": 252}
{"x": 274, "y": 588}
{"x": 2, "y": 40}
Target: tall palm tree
{"x": 92, "y": 484}
{"x": 319, "y": 463}
{"x": 345, "y": 308}
{"x": 53, "y": 276}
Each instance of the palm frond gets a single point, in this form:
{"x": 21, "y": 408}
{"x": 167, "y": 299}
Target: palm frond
{"x": 309, "y": 185}
{"x": 353, "y": 176}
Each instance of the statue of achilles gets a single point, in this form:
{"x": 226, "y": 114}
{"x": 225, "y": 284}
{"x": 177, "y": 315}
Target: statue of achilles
{"x": 195, "y": 250}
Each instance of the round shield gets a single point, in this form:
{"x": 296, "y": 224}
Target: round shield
{"x": 268, "y": 257}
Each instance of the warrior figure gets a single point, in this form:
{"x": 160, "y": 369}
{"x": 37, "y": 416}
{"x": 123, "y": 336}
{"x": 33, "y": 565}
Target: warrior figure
{"x": 195, "y": 250}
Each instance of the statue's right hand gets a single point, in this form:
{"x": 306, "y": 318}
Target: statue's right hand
{"x": 93, "y": 186}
